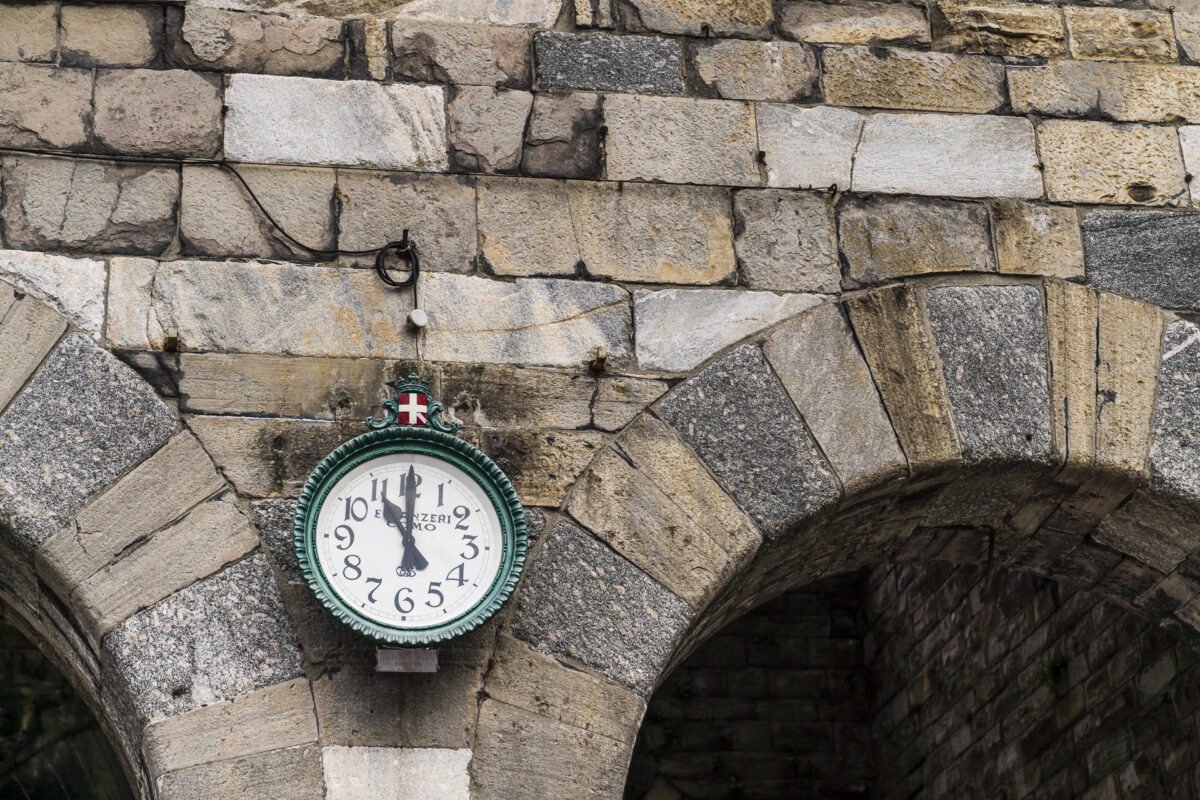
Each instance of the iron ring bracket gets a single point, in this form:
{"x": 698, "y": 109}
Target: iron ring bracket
{"x": 404, "y": 250}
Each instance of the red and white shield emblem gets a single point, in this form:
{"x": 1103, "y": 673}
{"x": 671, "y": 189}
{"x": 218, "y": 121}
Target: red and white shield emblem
{"x": 413, "y": 408}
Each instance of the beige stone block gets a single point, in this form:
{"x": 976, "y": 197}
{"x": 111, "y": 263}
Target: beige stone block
{"x": 28, "y": 331}
{"x": 211, "y": 535}
{"x": 542, "y": 464}
{"x": 1120, "y": 34}
{"x": 375, "y": 43}
{"x": 808, "y": 148}
{"x": 786, "y": 240}
{"x": 1187, "y": 33}
{"x": 496, "y": 396}
{"x": 396, "y": 773}
{"x": 654, "y": 503}
{"x": 292, "y": 772}
{"x": 1126, "y": 92}
{"x": 30, "y": 32}
{"x": 131, "y": 321}
{"x": 1127, "y": 366}
{"x": 218, "y": 217}
{"x": 465, "y": 55}
{"x": 999, "y": 29}
{"x": 158, "y": 112}
{"x": 894, "y": 335}
{"x": 1037, "y": 240}
{"x": 129, "y": 510}
{"x": 843, "y": 409}
{"x": 747, "y": 70}
{"x": 486, "y": 128}
{"x": 854, "y": 23}
{"x": 74, "y": 287}
{"x": 620, "y": 398}
{"x": 873, "y": 78}
{"x": 699, "y": 17}
{"x": 526, "y": 679}
{"x": 1071, "y": 314}
{"x": 212, "y": 38}
{"x": 1095, "y": 162}
{"x": 110, "y": 35}
{"x": 522, "y": 13}
{"x": 269, "y": 719}
{"x": 680, "y": 140}
{"x": 45, "y": 107}
{"x": 1189, "y": 144}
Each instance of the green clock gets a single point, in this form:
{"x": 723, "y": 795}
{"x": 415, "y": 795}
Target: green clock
{"x": 408, "y": 534}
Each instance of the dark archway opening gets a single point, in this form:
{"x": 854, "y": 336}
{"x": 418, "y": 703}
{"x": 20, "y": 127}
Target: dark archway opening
{"x": 51, "y": 745}
{"x": 927, "y": 681}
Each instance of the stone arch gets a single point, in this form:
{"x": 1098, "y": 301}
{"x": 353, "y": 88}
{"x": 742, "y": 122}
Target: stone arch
{"x": 1030, "y": 423}
{"x": 130, "y": 563}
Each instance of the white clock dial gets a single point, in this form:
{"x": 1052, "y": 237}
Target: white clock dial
{"x": 436, "y": 574}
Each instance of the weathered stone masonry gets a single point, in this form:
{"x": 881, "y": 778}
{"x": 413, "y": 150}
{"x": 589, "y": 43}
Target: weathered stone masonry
{"x": 874, "y": 282}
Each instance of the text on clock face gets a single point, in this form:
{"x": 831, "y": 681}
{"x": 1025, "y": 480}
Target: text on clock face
{"x": 408, "y": 540}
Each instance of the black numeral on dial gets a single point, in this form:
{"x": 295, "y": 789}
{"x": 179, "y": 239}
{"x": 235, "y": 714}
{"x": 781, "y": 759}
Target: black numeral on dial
{"x": 470, "y": 540}
{"x": 371, "y": 594}
{"x": 456, "y": 575}
{"x": 352, "y": 506}
{"x": 433, "y": 590}
{"x": 461, "y": 513}
{"x": 345, "y": 535}
{"x": 406, "y": 605}
{"x": 355, "y": 565}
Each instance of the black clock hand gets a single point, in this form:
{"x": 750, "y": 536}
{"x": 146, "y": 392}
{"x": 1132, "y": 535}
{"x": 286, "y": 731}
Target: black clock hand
{"x": 411, "y": 560}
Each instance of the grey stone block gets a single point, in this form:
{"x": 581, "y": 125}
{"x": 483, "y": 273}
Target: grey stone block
{"x": 215, "y": 640}
{"x": 291, "y": 772}
{"x": 606, "y": 63}
{"x": 737, "y": 417}
{"x": 1176, "y": 435}
{"x": 1150, "y": 255}
{"x": 82, "y": 421}
{"x": 581, "y": 601}
{"x": 563, "y": 139}
{"x": 992, "y": 342}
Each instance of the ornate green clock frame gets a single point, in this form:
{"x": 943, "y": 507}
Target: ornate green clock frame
{"x": 437, "y": 441}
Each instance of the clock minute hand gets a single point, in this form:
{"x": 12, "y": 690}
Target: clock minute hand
{"x": 412, "y": 559}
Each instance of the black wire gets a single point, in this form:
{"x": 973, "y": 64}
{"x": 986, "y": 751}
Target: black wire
{"x": 403, "y": 248}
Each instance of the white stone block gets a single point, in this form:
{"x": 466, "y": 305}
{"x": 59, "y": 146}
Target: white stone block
{"x": 283, "y": 120}
{"x": 1189, "y": 142}
{"x": 956, "y": 155}
{"x": 72, "y": 286}
{"x": 392, "y": 773}
{"x": 678, "y": 329}
{"x": 810, "y": 148}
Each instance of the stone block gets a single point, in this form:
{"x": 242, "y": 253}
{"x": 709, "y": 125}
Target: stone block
{"x": 464, "y": 55}
{"x": 30, "y": 32}
{"x": 268, "y": 719}
{"x": 819, "y": 364}
{"x": 523, "y": 13}
{"x": 1130, "y": 343}
{"x": 679, "y": 329}
{"x": 680, "y": 140}
{"x": 1119, "y": 91}
{"x": 620, "y": 398}
{"x": 809, "y": 148}
{"x": 218, "y": 217}
{"x": 1187, "y": 33}
{"x": 1120, "y": 34}
{"x": 375, "y": 208}
{"x": 702, "y": 18}
{"x": 542, "y": 464}
{"x": 531, "y": 322}
{"x": 111, "y": 35}
{"x": 940, "y": 154}
{"x": 785, "y": 240}
{"x": 393, "y": 773}
{"x": 999, "y": 29}
{"x": 211, "y": 535}
{"x": 563, "y": 139}
{"x": 222, "y": 637}
{"x": 28, "y": 331}
{"x": 854, "y": 23}
{"x": 130, "y": 322}
{"x": 748, "y": 70}
{"x": 1095, "y": 162}
{"x": 292, "y": 772}
{"x": 871, "y": 77}
{"x": 487, "y": 128}
{"x": 760, "y": 451}
{"x": 74, "y": 287}
{"x": 274, "y": 119}
{"x": 83, "y": 420}
{"x": 594, "y": 14}
{"x": 129, "y": 510}
{"x": 266, "y": 385}
{"x": 45, "y": 107}
{"x": 525, "y": 679}
{"x": 492, "y": 396}
{"x": 318, "y": 311}
{"x": 892, "y": 330}
{"x": 601, "y": 62}
{"x": 653, "y": 502}
{"x": 632, "y": 232}
{"x": 357, "y": 706}
{"x": 583, "y": 602}
{"x": 158, "y": 112}
{"x": 1173, "y": 465}
{"x": 1037, "y": 240}
{"x": 1071, "y": 334}
{"x": 1189, "y": 144}
{"x": 97, "y": 206}
{"x": 1150, "y": 532}
{"x": 886, "y": 238}
{"x": 1144, "y": 254}
{"x": 230, "y": 41}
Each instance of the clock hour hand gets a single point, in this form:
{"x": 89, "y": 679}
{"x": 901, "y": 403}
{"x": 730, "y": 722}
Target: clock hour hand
{"x": 411, "y": 560}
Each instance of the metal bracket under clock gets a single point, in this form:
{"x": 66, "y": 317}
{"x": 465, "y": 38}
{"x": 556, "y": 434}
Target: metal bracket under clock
{"x": 406, "y": 659}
